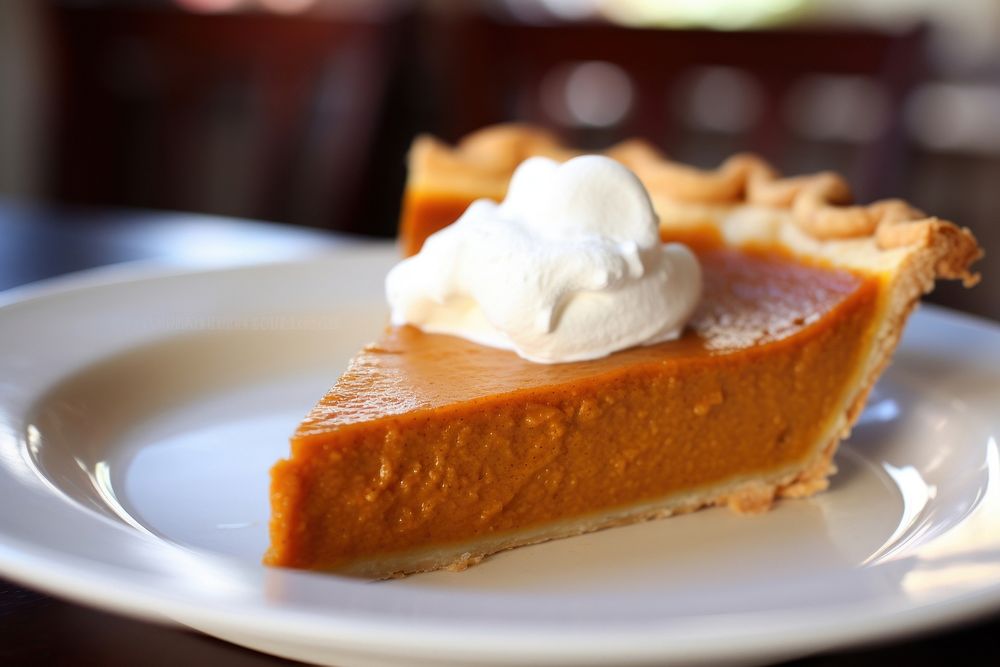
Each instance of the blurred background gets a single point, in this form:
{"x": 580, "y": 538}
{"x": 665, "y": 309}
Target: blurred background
{"x": 301, "y": 111}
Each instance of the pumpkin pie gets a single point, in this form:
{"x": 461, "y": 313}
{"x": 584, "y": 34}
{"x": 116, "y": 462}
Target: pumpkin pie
{"x": 432, "y": 451}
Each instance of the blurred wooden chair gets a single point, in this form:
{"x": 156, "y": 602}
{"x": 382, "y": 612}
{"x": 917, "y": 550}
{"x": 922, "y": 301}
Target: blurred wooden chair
{"x": 256, "y": 115}
{"x": 495, "y": 70}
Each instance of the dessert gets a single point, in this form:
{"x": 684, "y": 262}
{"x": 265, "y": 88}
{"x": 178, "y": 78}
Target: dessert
{"x": 434, "y": 451}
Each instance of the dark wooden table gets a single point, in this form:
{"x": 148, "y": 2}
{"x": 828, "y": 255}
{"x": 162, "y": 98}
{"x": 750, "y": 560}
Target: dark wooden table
{"x": 35, "y": 629}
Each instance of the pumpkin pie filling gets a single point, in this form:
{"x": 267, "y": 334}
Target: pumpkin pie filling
{"x": 430, "y": 440}
{"x": 432, "y": 451}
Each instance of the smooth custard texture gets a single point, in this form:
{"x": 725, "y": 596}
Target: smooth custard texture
{"x": 431, "y": 440}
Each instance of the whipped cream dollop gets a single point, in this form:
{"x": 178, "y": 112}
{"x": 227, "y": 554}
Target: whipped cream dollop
{"x": 568, "y": 267}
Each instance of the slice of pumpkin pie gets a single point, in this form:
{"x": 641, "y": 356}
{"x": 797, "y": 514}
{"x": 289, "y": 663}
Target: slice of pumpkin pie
{"x": 553, "y": 368}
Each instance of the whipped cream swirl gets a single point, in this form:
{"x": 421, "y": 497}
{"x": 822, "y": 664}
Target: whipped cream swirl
{"x": 568, "y": 267}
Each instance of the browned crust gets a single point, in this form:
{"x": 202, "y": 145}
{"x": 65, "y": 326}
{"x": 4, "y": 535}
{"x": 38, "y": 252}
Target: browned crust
{"x": 820, "y": 204}
{"x": 748, "y": 202}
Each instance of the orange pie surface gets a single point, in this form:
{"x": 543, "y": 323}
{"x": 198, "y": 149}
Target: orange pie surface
{"x": 432, "y": 451}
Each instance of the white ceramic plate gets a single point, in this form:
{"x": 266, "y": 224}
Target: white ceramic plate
{"x": 140, "y": 410}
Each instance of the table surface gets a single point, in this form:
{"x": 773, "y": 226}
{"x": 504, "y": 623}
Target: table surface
{"x": 39, "y": 242}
